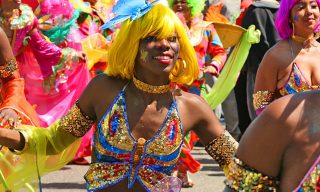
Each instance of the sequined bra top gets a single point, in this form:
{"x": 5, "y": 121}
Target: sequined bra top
{"x": 117, "y": 155}
{"x": 296, "y": 81}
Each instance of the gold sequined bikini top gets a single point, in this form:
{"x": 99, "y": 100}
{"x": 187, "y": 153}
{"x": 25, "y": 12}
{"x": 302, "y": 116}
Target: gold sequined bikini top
{"x": 296, "y": 82}
{"x": 117, "y": 155}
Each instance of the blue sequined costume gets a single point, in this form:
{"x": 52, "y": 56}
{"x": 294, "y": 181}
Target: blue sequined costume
{"x": 117, "y": 155}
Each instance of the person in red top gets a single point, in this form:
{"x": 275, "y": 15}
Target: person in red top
{"x": 243, "y": 6}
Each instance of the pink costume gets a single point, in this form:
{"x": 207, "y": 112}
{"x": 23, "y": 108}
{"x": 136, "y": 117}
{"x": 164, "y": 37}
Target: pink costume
{"x": 54, "y": 78}
{"x": 65, "y": 32}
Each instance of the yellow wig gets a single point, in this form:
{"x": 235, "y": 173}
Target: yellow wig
{"x": 161, "y": 22}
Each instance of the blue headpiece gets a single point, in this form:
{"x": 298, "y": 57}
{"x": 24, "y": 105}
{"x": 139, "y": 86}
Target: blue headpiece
{"x": 128, "y": 9}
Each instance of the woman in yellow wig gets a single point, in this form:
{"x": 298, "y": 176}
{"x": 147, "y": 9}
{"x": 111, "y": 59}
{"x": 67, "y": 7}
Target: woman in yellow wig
{"x": 141, "y": 118}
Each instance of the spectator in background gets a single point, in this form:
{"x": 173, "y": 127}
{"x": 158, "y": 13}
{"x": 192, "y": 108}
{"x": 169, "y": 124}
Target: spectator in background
{"x": 261, "y": 14}
{"x": 244, "y": 5}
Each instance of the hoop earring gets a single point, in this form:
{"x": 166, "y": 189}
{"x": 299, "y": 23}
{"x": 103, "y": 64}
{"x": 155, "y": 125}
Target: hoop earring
{"x": 292, "y": 36}
{"x": 183, "y": 69}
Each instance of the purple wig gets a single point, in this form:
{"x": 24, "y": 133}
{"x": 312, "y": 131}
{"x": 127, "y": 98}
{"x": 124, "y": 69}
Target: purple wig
{"x": 282, "y": 22}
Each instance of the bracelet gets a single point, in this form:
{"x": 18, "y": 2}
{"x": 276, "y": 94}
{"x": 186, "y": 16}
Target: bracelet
{"x": 222, "y": 148}
{"x": 76, "y": 122}
{"x": 262, "y": 98}
{"x": 26, "y": 143}
{"x": 8, "y": 68}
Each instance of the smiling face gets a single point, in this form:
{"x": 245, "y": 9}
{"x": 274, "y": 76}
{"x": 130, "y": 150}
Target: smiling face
{"x": 157, "y": 56}
{"x": 304, "y": 16}
{"x": 182, "y": 7}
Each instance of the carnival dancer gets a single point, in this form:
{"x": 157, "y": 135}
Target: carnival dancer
{"x": 141, "y": 120}
{"x": 280, "y": 150}
{"x": 48, "y": 70}
{"x": 291, "y": 65}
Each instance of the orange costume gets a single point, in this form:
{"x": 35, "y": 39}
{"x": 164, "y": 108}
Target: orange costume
{"x": 12, "y": 97}
{"x": 12, "y": 93}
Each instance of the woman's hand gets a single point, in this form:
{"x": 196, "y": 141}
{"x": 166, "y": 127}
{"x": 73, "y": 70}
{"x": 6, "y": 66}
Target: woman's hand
{"x": 210, "y": 69}
{"x": 10, "y": 116}
{"x": 82, "y": 56}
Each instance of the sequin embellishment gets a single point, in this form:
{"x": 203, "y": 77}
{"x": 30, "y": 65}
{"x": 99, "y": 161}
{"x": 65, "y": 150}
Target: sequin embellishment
{"x": 262, "y": 98}
{"x": 75, "y": 122}
{"x": 8, "y": 68}
{"x": 242, "y": 178}
{"x": 296, "y": 83}
{"x": 222, "y": 148}
{"x": 117, "y": 155}
{"x": 311, "y": 182}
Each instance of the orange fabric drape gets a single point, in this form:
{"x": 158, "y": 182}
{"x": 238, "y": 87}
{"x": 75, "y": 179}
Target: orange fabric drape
{"x": 13, "y": 97}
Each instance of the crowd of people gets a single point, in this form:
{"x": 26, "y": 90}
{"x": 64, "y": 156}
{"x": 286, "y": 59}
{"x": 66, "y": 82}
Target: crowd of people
{"x": 140, "y": 106}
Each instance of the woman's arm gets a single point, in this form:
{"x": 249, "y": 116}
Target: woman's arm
{"x": 12, "y": 139}
{"x": 60, "y": 134}
{"x": 218, "y": 142}
{"x": 5, "y": 48}
{"x": 266, "y": 81}
{"x": 217, "y": 53}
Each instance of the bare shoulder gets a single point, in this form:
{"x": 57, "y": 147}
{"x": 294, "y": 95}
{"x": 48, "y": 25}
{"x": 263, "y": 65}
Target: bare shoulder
{"x": 277, "y": 54}
{"x": 291, "y": 107}
{"x": 278, "y": 115}
{"x": 107, "y": 82}
{"x": 283, "y": 123}
{"x": 281, "y": 119}
{"x": 105, "y": 87}
{"x": 101, "y": 91}
{"x": 191, "y": 101}
{"x": 195, "y": 109}
{"x": 265, "y": 141}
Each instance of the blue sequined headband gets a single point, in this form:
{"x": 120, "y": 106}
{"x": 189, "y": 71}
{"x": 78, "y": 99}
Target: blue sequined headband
{"x": 128, "y": 9}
